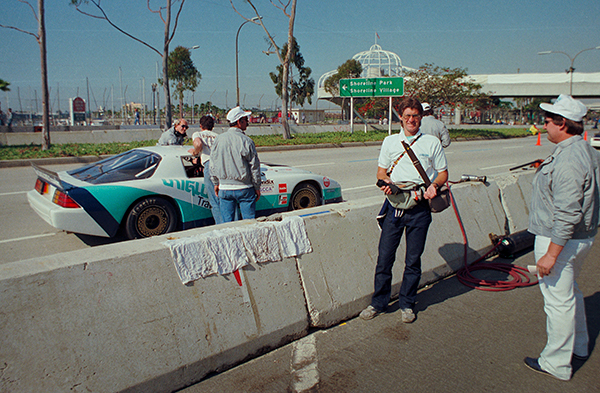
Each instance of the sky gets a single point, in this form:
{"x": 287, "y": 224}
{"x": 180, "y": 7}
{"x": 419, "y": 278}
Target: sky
{"x": 482, "y": 36}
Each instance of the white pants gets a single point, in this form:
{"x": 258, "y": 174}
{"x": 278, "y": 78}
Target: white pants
{"x": 565, "y": 310}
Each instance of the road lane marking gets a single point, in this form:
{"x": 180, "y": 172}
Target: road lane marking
{"x": 497, "y": 166}
{"x": 305, "y": 364}
{"x": 18, "y": 239}
{"x": 358, "y": 188}
{"x": 307, "y": 165}
{"x": 13, "y": 193}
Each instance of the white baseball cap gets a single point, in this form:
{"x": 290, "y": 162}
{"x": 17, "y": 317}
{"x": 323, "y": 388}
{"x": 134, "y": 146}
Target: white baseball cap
{"x": 426, "y": 106}
{"x": 567, "y": 107}
{"x": 236, "y": 114}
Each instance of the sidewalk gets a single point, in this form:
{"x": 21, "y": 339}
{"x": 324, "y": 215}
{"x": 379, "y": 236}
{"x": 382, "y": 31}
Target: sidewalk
{"x": 463, "y": 340}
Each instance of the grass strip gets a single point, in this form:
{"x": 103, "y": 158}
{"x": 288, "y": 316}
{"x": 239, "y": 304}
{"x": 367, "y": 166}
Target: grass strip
{"x": 91, "y": 149}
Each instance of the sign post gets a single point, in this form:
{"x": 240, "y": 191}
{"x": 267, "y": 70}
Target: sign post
{"x": 371, "y": 87}
{"x": 77, "y": 110}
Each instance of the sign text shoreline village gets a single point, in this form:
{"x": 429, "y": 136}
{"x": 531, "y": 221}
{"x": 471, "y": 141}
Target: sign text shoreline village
{"x": 372, "y": 87}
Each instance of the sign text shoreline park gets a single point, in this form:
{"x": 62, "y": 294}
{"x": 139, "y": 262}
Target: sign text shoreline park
{"x": 372, "y": 87}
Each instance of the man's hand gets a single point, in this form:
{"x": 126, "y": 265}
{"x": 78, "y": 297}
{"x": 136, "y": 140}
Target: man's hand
{"x": 547, "y": 261}
{"x": 545, "y": 265}
{"x": 431, "y": 191}
{"x": 384, "y": 185}
{"x": 257, "y": 194}
{"x": 217, "y": 190}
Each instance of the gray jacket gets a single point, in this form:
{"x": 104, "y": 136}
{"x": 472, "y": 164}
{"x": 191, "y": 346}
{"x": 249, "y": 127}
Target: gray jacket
{"x": 566, "y": 193}
{"x": 171, "y": 137}
{"x": 432, "y": 126}
{"x": 234, "y": 161}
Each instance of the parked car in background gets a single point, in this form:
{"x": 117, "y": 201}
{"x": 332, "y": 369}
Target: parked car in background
{"x": 155, "y": 190}
{"x": 595, "y": 140}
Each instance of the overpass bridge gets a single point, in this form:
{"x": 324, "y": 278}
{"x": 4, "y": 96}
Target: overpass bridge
{"x": 585, "y": 85}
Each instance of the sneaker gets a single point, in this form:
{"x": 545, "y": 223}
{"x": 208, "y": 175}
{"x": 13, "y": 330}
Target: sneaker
{"x": 408, "y": 316}
{"x": 369, "y": 313}
{"x": 580, "y": 358}
{"x": 534, "y": 365}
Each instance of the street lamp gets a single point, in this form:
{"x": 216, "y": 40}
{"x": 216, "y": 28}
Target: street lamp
{"x": 237, "y": 75}
{"x": 154, "y": 85}
{"x": 570, "y": 69}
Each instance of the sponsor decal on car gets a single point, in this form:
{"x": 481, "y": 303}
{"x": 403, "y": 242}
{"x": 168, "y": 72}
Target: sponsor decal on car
{"x": 283, "y": 199}
{"x": 282, "y": 188}
{"x": 326, "y": 182}
{"x": 185, "y": 185}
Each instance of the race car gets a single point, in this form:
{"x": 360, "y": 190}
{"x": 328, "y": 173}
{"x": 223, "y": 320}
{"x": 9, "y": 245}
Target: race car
{"x": 155, "y": 190}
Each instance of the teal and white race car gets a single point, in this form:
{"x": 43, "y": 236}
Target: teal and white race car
{"x": 155, "y": 190}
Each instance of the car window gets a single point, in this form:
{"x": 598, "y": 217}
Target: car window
{"x": 131, "y": 165}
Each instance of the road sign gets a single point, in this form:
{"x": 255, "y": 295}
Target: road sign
{"x": 372, "y": 87}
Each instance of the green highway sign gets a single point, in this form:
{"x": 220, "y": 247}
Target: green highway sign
{"x": 372, "y": 87}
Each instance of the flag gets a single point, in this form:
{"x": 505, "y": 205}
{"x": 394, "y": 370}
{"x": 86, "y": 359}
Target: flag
{"x": 377, "y": 35}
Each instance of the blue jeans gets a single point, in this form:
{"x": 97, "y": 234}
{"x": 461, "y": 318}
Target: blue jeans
{"x": 212, "y": 197}
{"x": 230, "y": 200}
{"x": 416, "y": 223}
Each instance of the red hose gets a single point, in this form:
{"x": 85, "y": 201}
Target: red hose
{"x": 519, "y": 276}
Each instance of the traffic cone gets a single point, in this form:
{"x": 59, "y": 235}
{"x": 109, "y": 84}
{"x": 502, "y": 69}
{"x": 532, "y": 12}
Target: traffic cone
{"x": 539, "y": 142}
{"x": 585, "y": 136}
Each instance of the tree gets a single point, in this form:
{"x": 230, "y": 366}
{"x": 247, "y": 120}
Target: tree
{"x": 350, "y": 69}
{"x": 440, "y": 86}
{"x": 168, "y": 37}
{"x": 4, "y": 85}
{"x": 183, "y": 73}
{"x": 301, "y": 89}
{"x": 41, "y": 40}
{"x": 289, "y": 9}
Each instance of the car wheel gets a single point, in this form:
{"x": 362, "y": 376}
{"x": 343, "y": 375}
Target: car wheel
{"x": 150, "y": 217}
{"x": 304, "y": 196}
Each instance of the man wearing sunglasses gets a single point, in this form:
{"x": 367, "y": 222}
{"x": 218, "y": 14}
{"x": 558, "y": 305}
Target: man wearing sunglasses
{"x": 175, "y": 135}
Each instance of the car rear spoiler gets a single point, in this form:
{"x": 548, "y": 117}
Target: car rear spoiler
{"x": 47, "y": 175}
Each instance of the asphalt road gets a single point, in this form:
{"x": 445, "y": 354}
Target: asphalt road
{"x": 24, "y": 235}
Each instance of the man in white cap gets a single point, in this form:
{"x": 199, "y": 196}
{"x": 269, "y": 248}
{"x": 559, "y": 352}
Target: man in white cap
{"x": 235, "y": 168}
{"x": 564, "y": 219}
{"x": 432, "y": 126}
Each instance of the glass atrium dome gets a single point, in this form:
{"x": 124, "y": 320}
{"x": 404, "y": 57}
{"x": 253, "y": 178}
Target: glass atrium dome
{"x": 376, "y": 63}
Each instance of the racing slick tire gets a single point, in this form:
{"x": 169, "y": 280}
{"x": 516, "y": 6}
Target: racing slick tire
{"x": 304, "y": 196}
{"x": 150, "y": 217}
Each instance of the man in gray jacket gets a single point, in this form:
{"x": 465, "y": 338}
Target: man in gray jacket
{"x": 235, "y": 168}
{"x": 564, "y": 219}
{"x": 432, "y": 126}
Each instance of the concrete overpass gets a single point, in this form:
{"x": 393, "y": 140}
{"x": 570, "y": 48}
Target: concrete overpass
{"x": 585, "y": 85}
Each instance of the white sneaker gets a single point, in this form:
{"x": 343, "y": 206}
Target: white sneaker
{"x": 408, "y": 316}
{"x": 369, "y": 313}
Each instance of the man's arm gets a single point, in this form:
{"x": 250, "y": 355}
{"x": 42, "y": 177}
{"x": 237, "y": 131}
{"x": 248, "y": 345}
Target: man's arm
{"x": 197, "y": 146}
{"x": 445, "y": 136}
{"x": 439, "y": 181}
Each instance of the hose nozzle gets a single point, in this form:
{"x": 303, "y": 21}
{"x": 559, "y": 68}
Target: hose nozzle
{"x": 464, "y": 178}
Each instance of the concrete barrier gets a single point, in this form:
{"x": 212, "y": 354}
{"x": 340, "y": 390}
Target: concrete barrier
{"x": 338, "y": 277}
{"x": 117, "y": 318}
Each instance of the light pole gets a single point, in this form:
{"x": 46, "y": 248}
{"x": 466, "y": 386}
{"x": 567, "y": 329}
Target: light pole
{"x": 237, "y": 75}
{"x": 153, "y": 102}
{"x": 570, "y": 69}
